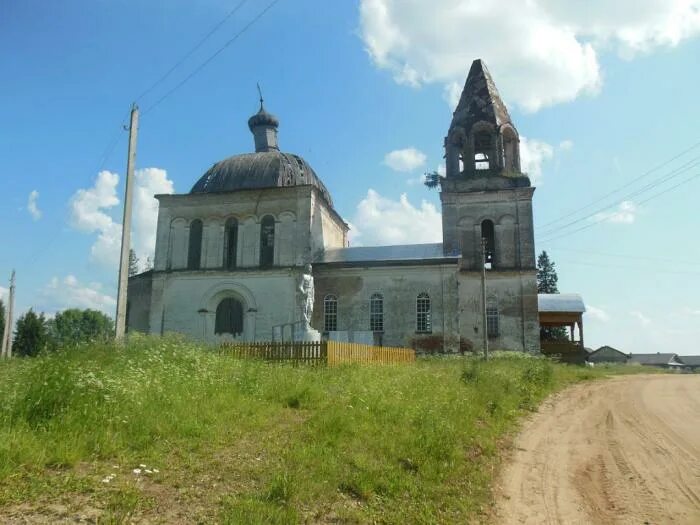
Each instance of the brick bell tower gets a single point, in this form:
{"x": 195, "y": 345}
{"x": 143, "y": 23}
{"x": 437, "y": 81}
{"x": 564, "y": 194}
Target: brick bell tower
{"x": 486, "y": 195}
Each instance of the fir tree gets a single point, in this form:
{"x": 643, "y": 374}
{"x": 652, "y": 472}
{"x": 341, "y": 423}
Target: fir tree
{"x": 546, "y": 274}
{"x": 547, "y": 280}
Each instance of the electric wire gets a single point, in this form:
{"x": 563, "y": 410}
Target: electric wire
{"x": 192, "y": 50}
{"x": 211, "y": 57}
{"x": 620, "y": 188}
{"x": 657, "y": 182}
{"x": 603, "y": 219}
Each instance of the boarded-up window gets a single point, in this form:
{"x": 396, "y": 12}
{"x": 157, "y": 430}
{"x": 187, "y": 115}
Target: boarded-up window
{"x": 267, "y": 241}
{"x": 229, "y": 317}
{"x": 230, "y": 244}
{"x": 376, "y": 312}
{"x": 330, "y": 313}
{"x": 194, "y": 252}
{"x": 423, "y": 314}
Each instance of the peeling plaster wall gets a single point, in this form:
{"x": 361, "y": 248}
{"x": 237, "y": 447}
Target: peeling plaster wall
{"x": 516, "y": 297}
{"x": 400, "y": 285}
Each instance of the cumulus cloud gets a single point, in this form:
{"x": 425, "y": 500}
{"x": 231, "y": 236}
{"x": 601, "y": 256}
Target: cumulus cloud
{"x": 68, "y": 292}
{"x": 90, "y": 207}
{"x": 566, "y": 145}
{"x": 596, "y": 313}
{"x": 382, "y": 221}
{"x": 639, "y": 316}
{"x": 625, "y": 213}
{"x": 405, "y": 160}
{"x": 534, "y": 153}
{"x": 4, "y": 293}
{"x": 542, "y": 52}
{"x": 32, "y": 205}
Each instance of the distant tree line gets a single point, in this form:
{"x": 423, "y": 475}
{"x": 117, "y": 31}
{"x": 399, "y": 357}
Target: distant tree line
{"x": 34, "y": 333}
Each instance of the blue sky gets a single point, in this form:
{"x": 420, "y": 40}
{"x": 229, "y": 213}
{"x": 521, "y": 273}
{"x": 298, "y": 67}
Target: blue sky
{"x": 600, "y": 95}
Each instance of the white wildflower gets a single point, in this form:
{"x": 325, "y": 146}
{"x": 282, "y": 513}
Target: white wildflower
{"x": 137, "y": 471}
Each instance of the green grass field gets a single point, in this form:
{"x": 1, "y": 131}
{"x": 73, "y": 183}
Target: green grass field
{"x": 162, "y": 430}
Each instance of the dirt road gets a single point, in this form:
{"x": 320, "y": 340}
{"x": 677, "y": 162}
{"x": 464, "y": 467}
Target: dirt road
{"x": 623, "y": 450}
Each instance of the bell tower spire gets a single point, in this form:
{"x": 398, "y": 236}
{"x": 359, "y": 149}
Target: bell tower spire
{"x": 482, "y": 139}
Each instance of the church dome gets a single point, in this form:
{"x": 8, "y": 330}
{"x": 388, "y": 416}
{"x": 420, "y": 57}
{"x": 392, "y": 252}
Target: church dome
{"x": 265, "y": 169}
{"x": 262, "y": 118}
{"x": 268, "y": 167}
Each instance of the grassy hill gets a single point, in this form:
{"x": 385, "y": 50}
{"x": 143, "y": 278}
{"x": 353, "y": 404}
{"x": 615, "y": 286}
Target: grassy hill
{"x": 162, "y": 430}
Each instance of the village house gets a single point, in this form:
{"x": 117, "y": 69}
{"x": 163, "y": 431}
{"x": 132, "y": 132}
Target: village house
{"x": 231, "y": 253}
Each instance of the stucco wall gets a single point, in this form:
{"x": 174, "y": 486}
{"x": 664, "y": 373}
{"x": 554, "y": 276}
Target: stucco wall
{"x": 400, "y": 285}
{"x": 516, "y": 297}
{"x": 138, "y": 303}
{"x": 511, "y": 212}
{"x": 185, "y": 302}
{"x": 300, "y": 226}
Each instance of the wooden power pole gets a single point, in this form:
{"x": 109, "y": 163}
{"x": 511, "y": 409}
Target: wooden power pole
{"x": 120, "y": 328}
{"x": 483, "y": 298}
{"x": 7, "y": 333}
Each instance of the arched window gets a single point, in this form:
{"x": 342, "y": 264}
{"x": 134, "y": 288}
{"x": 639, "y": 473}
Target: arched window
{"x": 483, "y": 146}
{"x": 488, "y": 233}
{"x": 492, "y": 318}
{"x": 229, "y": 317}
{"x": 267, "y": 241}
{"x": 230, "y": 243}
{"x": 376, "y": 312}
{"x": 424, "y": 323}
{"x": 194, "y": 253}
{"x": 330, "y": 313}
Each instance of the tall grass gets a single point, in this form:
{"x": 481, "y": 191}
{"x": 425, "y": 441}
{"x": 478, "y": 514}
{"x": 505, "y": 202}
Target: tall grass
{"x": 244, "y": 442}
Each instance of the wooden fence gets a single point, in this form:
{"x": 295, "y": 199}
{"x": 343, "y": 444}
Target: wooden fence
{"x": 329, "y": 353}
{"x": 339, "y": 353}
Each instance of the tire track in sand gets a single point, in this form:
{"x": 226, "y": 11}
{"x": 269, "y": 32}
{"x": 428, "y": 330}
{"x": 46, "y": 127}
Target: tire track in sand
{"x": 622, "y": 450}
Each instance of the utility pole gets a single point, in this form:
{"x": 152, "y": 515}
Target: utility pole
{"x": 126, "y": 226}
{"x": 483, "y": 298}
{"x": 7, "y": 333}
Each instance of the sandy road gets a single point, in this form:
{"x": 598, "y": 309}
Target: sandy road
{"x": 623, "y": 450}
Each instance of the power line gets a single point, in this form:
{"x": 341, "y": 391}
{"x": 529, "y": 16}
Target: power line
{"x": 620, "y": 188}
{"x": 192, "y": 50}
{"x": 631, "y": 257}
{"x": 602, "y": 219}
{"x": 675, "y": 173}
{"x": 212, "y": 57}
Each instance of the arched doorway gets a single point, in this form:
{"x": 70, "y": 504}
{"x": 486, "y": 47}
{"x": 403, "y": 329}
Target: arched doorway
{"x": 229, "y": 317}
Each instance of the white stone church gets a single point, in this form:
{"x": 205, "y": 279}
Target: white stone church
{"x": 230, "y": 254}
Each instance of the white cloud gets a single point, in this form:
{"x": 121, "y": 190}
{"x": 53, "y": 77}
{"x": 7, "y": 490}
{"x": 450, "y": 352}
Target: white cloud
{"x": 68, "y": 292}
{"x": 542, "y": 52}
{"x": 639, "y": 316}
{"x": 405, "y": 160}
{"x": 566, "y": 145}
{"x": 32, "y": 206}
{"x": 533, "y": 153}
{"x": 382, "y": 221}
{"x": 148, "y": 182}
{"x": 89, "y": 207}
{"x": 597, "y": 313}
{"x": 4, "y": 293}
{"x": 625, "y": 213}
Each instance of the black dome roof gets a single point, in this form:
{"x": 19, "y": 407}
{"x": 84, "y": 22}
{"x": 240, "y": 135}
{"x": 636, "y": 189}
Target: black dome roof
{"x": 267, "y": 169}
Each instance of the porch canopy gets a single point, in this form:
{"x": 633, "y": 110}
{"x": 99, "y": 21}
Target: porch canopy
{"x": 556, "y": 310}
